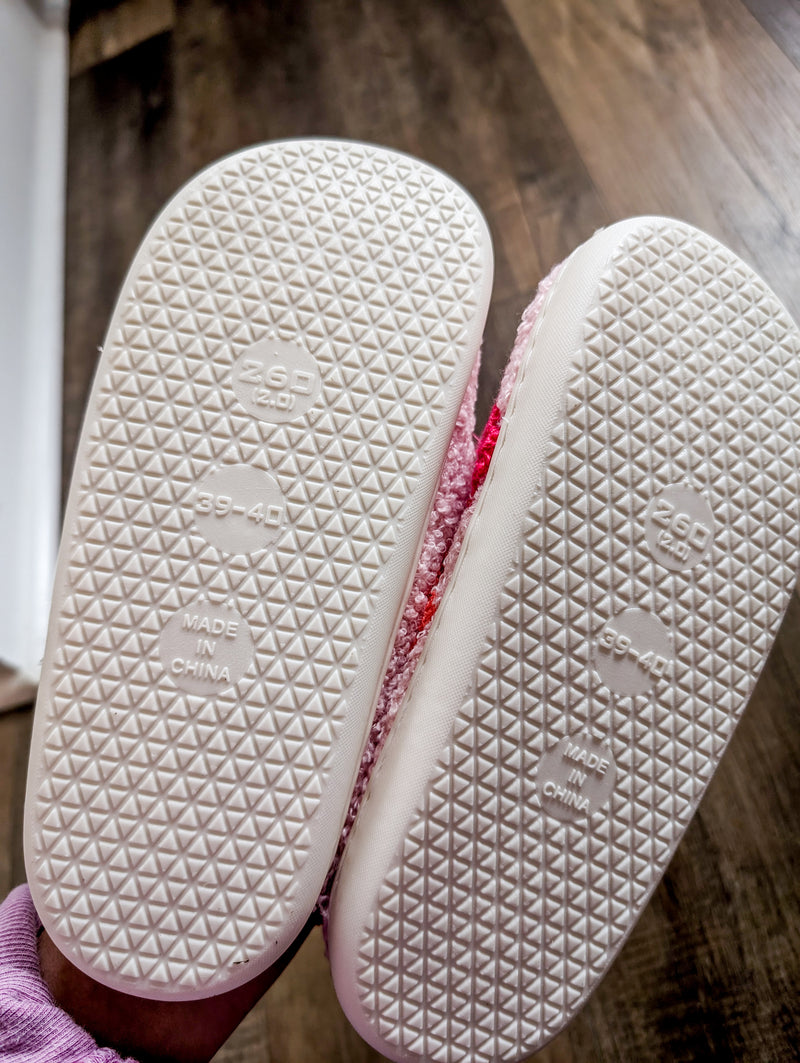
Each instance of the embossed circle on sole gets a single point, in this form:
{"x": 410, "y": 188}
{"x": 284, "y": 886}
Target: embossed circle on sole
{"x": 575, "y": 778}
{"x": 679, "y": 527}
{"x": 206, "y": 648}
{"x": 239, "y": 509}
{"x": 632, "y": 652}
{"x": 276, "y": 381}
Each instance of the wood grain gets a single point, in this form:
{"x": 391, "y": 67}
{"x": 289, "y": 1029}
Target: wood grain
{"x": 97, "y": 36}
{"x": 683, "y": 108}
{"x": 558, "y": 116}
{"x": 15, "y": 736}
{"x": 782, "y": 23}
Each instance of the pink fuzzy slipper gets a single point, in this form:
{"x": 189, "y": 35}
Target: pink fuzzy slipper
{"x": 463, "y": 474}
{"x": 611, "y": 597}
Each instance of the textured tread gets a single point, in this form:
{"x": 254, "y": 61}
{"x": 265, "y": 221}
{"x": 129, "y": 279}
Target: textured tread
{"x": 179, "y": 827}
{"x": 497, "y": 915}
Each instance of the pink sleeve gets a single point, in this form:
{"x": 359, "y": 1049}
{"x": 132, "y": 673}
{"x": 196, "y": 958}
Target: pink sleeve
{"x": 33, "y": 1029}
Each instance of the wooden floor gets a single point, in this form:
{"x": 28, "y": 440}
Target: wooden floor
{"x": 559, "y": 116}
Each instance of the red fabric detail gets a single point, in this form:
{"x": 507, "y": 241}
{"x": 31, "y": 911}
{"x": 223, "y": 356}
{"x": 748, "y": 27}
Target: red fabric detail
{"x": 486, "y": 447}
{"x": 430, "y": 609}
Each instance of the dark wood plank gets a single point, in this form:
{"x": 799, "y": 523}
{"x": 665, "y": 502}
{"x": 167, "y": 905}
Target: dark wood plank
{"x": 100, "y": 31}
{"x": 15, "y": 734}
{"x": 782, "y": 23}
{"x": 687, "y": 109}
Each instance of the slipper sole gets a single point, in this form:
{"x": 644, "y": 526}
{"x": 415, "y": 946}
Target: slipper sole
{"x": 618, "y": 590}
{"x": 273, "y": 404}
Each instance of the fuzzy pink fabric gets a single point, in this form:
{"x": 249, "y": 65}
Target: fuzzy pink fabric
{"x": 33, "y": 1029}
{"x": 462, "y": 477}
{"x": 494, "y": 423}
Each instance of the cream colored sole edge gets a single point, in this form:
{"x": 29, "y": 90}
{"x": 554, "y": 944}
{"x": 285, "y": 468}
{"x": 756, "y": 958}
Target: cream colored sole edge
{"x": 273, "y": 404}
{"x": 618, "y": 590}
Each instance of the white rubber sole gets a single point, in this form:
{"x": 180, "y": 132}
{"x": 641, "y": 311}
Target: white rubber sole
{"x": 617, "y": 593}
{"x": 274, "y": 401}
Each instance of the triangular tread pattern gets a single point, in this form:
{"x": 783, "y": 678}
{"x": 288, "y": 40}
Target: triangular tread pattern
{"x": 168, "y": 829}
{"x": 497, "y": 919}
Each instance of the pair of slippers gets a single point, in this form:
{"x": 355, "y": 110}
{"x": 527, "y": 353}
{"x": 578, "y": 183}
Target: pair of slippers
{"x": 278, "y": 534}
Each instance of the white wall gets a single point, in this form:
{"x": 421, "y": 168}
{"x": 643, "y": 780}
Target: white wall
{"x": 33, "y": 83}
